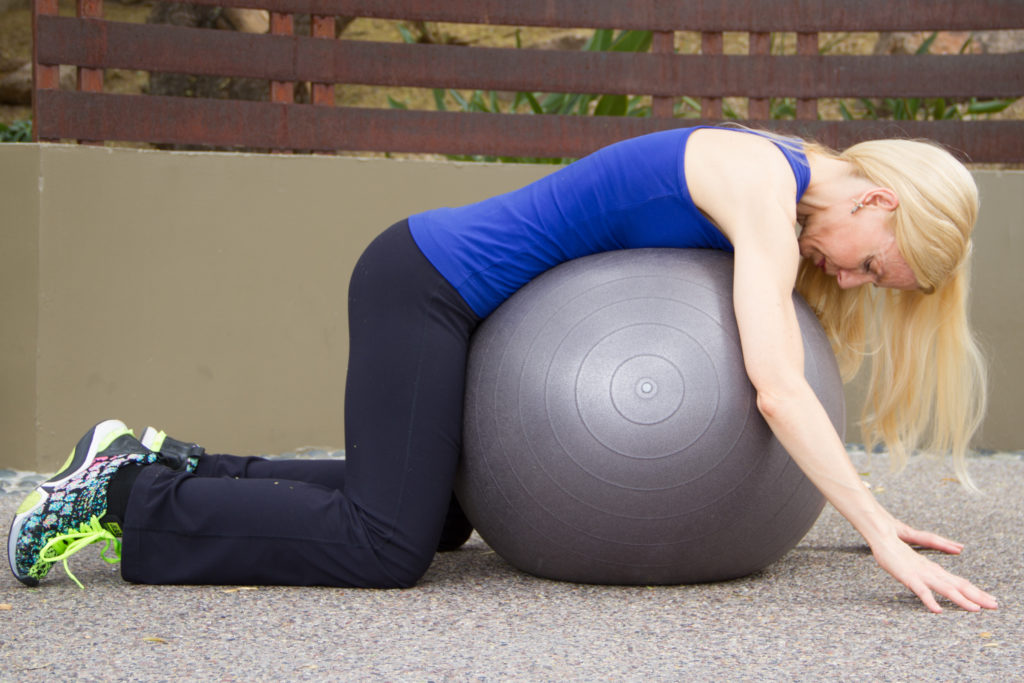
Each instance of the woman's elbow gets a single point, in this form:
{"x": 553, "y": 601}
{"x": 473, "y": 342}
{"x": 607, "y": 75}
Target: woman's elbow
{"x": 769, "y": 405}
{"x": 774, "y": 400}
{"x": 779, "y": 385}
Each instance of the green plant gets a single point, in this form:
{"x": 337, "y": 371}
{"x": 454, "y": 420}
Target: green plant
{"x": 19, "y": 131}
{"x": 604, "y": 40}
{"x": 925, "y": 109}
{"x": 687, "y": 107}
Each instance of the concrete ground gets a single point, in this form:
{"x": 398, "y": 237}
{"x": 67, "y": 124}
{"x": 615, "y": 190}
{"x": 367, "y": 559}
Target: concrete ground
{"x": 823, "y": 612}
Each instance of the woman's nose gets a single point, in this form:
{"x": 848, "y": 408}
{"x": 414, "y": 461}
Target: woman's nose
{"x": 848, "y": 279}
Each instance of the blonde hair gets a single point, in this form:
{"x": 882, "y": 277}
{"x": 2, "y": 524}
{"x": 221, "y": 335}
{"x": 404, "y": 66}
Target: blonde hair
{"x": 927, "y": 384}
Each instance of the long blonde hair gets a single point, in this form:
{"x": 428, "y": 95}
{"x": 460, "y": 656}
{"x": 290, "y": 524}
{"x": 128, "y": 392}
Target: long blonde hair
{"x": 927, "y": 383}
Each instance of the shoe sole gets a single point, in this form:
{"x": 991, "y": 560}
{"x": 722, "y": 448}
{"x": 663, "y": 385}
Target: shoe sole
{"x": 82, "y": 456}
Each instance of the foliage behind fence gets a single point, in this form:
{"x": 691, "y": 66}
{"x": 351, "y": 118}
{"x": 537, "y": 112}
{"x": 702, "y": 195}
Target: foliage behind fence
{"x": 651, "y": 77}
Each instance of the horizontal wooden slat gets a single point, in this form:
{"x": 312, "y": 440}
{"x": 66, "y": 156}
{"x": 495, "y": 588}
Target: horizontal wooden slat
{"x": 226, "y": 123}
{"x": 289, "y": 58}
{"x": 682, "y": 15}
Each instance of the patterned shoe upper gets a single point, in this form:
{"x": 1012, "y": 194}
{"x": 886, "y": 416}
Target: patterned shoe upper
{"x": 66, "y": 513}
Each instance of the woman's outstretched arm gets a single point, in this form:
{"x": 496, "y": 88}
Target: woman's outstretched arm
{"x": 754, "y": 207}
{"x": 773, "y": 356}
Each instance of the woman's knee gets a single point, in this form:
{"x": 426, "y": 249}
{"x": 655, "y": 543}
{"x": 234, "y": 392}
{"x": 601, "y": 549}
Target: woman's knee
{"x": 404, "y": 570}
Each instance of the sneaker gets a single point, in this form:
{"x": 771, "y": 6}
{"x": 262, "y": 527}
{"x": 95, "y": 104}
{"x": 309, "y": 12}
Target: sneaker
{"x": 69, "y": 511}
{"x": 178, "y": 455}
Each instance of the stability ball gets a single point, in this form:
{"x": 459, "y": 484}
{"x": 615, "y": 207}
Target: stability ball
{"x": 612, "y": 435}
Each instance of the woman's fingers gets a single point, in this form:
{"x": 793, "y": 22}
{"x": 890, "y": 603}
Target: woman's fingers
{"x": 926, "y": 578}
{"x": 959, "y": 591}
{"x": 925, "y": 595}
{"x": 977, "y": 596}
{"x": 926, "y": 539}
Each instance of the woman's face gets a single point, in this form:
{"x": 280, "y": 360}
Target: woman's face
{"x": 856, "y": 248}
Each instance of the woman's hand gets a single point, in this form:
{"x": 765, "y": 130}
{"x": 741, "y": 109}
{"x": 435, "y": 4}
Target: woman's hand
{"x": 925, "y": 577}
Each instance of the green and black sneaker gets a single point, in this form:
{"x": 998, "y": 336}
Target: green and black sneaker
{"x": 69, "y": 511}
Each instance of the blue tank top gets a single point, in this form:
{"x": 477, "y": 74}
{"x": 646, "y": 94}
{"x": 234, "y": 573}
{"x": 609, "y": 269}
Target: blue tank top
{"x": 629, "y": 195}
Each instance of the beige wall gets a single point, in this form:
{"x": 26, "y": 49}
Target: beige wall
{"x": 997, "y": 310}
{"x": 19, "y": 303}
{"x": 205, "y": 293}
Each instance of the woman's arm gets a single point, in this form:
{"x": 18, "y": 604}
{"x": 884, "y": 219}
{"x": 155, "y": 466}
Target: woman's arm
{"x": 773, "y": 356}
{"x": 751, "y": 198}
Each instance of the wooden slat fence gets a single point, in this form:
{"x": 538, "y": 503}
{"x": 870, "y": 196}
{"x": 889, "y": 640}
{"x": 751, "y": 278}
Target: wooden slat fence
{"x": 93, "y": 44}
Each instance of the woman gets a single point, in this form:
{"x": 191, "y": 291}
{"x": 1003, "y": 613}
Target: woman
{"x": 896, "y": 215}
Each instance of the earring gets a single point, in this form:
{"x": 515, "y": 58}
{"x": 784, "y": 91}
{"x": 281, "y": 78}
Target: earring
{"x": 857, "y": 207}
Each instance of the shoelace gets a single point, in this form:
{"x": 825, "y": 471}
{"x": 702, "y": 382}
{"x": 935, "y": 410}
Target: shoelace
{"x": 60, "y": 548}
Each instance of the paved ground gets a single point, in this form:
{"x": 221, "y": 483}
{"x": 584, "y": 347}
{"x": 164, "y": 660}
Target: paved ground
{"x": 824, "y": 612}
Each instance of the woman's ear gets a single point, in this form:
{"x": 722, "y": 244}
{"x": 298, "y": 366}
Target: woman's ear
{"x": 882, "y": 198}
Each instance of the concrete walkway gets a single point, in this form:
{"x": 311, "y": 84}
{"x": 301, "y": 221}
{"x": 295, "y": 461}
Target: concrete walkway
{"x": 823, "y": 612}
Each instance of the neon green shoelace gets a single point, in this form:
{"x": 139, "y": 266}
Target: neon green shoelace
{"x": 60, "y": 548}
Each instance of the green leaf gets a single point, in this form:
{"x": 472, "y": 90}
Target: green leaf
{"x": 439, "y": 100}
{"x": 927, "y": 44}
{"x": 555, "y": 103}
{"x": 688, "y": 102}
{"x": 482, "y": 102}
{"x": 459, "y": 99}
{"x": 395, "y": 104}
{"x": 582, "y": 104}
{"x": 562, "y": 103}
{"x": 942, "y": 110}
{"x": 406, "y": 34}
{"x": 783, "y": 108}
{"x": 638, "y": 107}
{"x": 831, "y": 44}
{"x": 517, "y": 99}
{"x": 601, "y": 41}
{"x": 534, "y": 104}
{"x": 633, "y": 41}
{"x": 988, "y": 106}
{"x": 475, "y": 103}
{"x": 612, "y": 105}
{"x": 912, "y": 106}
{"x": 18, "y": 131}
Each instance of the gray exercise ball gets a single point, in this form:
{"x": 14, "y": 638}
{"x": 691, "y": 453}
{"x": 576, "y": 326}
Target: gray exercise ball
{"x": 611, "y": 432}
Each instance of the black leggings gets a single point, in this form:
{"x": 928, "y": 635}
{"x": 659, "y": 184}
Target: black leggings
{"x": 372, "y": 520}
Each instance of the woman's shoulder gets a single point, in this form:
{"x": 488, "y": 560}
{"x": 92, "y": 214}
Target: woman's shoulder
{"x": 737, "y": 144}
{"x": 741, "y": 182}
{"x": 735, "y": 163}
